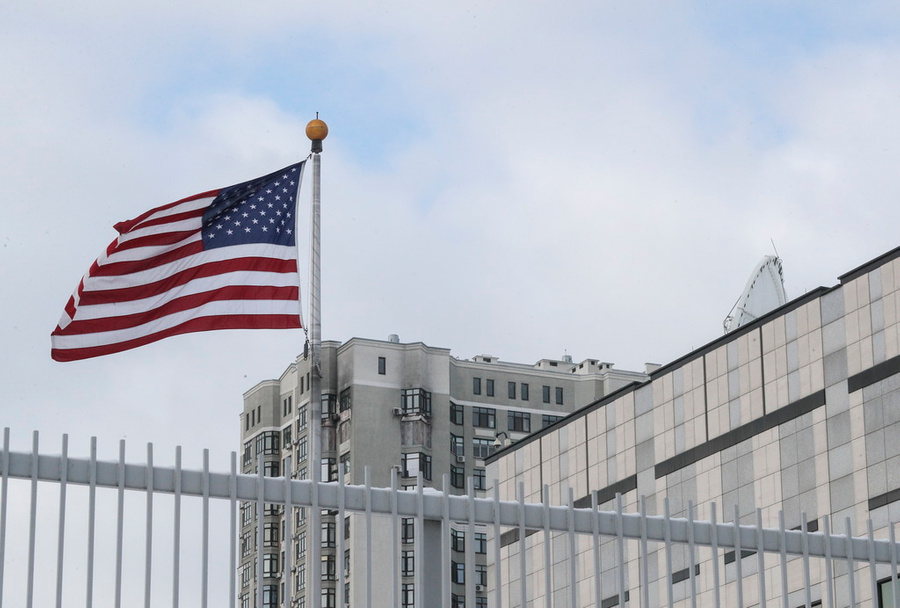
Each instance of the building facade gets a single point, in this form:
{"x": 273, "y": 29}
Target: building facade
{"x": 410, "y": 407}
{"x": 797, "y": 412}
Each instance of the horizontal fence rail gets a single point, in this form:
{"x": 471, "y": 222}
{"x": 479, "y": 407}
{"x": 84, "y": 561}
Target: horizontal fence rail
{"x": 575, "y": 525}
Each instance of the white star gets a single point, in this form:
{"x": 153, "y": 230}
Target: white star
{"x": 253, "y": 206}
{"x": 265, "y": 228}
{"x": 237, "y": 223}
{"x": 261, "y": 198}
{"x": 293, "y": 182}
{"x": 255, "y": 221}
{"x": 288, "y": 230}
{"x": 277, "y": 198}
{"x": 270, "y": 205}
{"x": 278, "y": 212}
{"x": 247, "y": 229}
{"x": 229, "y": 232}
{"x": 268, "y": 192}
{"x": 218, "y": 226}
{"x": 246, "y": 214}
{"x": 271, "y": 220}
{"x": 211, "y": 235}
{"x": 227, "y": 217}
{"x": 277, "y": 183}
{"x": 263, "y": 212}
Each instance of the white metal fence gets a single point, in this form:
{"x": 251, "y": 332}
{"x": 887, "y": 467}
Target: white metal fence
{"x": 85, "y": 531}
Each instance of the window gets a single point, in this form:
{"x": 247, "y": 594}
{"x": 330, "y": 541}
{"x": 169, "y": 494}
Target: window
{"x": 245, "y": 575}
{"x": 245, "y": 601}
{"x": 328, "y": 598}
{"x": 382, "y": 366}
{"x": 302, "y": 448}
{"x": 489, "y": 387}
{"x": 328, "y": 568}
{"x": 301, "y": 546}
{"x": 476, "y": 386}
{"x": 408, "y": 563}
{"x": 271, "y": 468}
{"x": 248, "y": 453}
{"x": 328, "y": 534}
{"x": 478, "y": 479}
{"x": 548, "y": 419}
{"x": 482, "y": 448}
{"x": 329, "y": 406}
{"x": 286, "y": 404}
{"x": 559, "y": 395}
{"x": 408, "y": 598}
{"x": 519, "y": 421}
{"x": 415, "y": 401}
{"x": 246, "y": 513}
{"x": 301, "y": 418}
{"x": 415, "y": 463}
{"x": 484, "y": 417}
{"x": 458, "y": 572}
{"x": 286, "y": 436}
{"x": 270, "y": 596}
{"x": 481, "y": 602}
{"x": 481, "y": 574}
{"x": 246, "y": 422}
{"x": 267, "y": 443}
{"x": 407, "y": 530}
{"x": 457, "y": 445}
{"x": 346, "y": 563}
{"x": 246, "y": 543}
{"x": 456, "y": 414}
{"x": 524, "y": 391}
{"x": 299, "y": 517}
{"x": 511, "y": 390}
{"x": 345, "y": 399}
{"x": 886, "y": 592}
{"x": 345, "y": 463}
{"x": 458, "y": 540}
{"x": 271, "y": 535}
{"x": 301, "y": 577}
{"x": 457, "y": 477}
{"x": 329, "y": 469}
{"x": 270, "y": 565}
{"x": 545, "y": 393}
{"x": 457, "y": 601}
{"x": 302, "y": 388}
{"x": 302, "y": 473}
{"x": 271, "y": 508}
{"x": 481, "y": 543}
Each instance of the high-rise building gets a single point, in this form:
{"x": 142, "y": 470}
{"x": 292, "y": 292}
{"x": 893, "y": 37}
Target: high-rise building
{"x": 795, "y": 412}
{"x": 385, "y": 405}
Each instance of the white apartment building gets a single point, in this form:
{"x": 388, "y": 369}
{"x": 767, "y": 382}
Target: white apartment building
{"x": 385, "y": 405}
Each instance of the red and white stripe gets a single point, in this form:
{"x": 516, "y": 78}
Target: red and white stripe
{"x": 155, "y": 281}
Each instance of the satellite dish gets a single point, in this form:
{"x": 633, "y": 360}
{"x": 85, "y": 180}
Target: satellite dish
{"x": 764, "y": 293}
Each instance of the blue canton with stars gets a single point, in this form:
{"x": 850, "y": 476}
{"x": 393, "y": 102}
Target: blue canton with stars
{"x": 259, "y": 211}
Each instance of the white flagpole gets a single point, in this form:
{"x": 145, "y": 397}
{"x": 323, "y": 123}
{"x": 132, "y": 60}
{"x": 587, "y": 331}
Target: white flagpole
{"x": 316, "y": 130}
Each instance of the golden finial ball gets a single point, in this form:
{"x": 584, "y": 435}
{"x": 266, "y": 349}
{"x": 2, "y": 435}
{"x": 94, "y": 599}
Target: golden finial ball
{"x": 317, "y": 130}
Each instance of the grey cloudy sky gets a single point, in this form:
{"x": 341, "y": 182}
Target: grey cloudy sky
{"x": 520, "y": 178}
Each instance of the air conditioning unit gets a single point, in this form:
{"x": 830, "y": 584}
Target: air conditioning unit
{"x": 460, "y": 459}
{"x": 479, "y": 588}
{"x": 397, "y": 411}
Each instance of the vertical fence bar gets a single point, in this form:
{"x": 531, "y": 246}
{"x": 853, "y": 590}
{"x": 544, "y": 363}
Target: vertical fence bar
{"x": 341, "y": 544}
{"x": 120, "y": 522}
{"x": 715, "y": 554}
{"x": 148, "y": 564}
{"x": 260, "y": 513}
{"x": 739, "y": 572}
{"x": 829, "y": 563}
{"x": 691, "y": 562}
{"x": 498, "y": 582}
{"x": 645, "y": 560}
{"x": 668, "y": 536}
{"x": 176, "y": 532}
{"x": 893, "y": 538}
{"x": 4, "y": 494}
{"x": 470, "y": 541}
{"x": 232, "y": 544}
{"x": 760, "y": 558}
{"x": 29, "y": 599}
{"x": 92, "y": 520}
{"x": 288, "y": 536}
{"x": 620, "y": 549}
{"x": 804, "y": 542}
{"x": 61, "y": 531}
{"x": 851, "y": 575}
{"x": 204, "y": 574}
{"x": 548, "y": 556}
{"x": 782, "y": 547}
{"x": 445, "y": 542}
{"x": 523, "y": 565}
{"x": 873, "y": 576}
{"x": 368, "y": 482}
{"x": 595, "y": 531}
{"x": 573, "y": 564}
{"x": 396, "y": 535}
{"x": 418, "y": 556}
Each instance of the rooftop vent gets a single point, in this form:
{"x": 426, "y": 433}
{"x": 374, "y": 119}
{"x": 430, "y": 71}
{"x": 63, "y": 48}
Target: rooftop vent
{"x": 394, "y": 338}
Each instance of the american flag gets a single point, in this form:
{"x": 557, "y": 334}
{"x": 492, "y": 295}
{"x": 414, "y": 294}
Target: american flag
{"x": 223, "y": 259}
